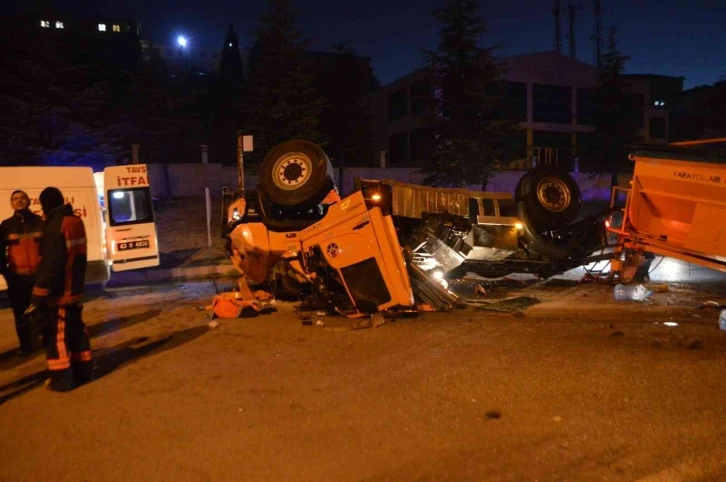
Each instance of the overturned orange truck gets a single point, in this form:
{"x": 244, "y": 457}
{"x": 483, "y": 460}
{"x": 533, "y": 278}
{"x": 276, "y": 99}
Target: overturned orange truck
{"x": 392, "y": 246}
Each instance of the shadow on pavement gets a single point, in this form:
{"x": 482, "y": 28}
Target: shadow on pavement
{"x": 107, "y": 360}
{"x": 115, "y": 324}
{"x": 110, "y": 359}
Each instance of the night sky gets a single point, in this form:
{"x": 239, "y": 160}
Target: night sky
{"x": 672, "y": 37}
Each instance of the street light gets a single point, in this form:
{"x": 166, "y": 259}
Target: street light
{"x": 182, "y": 41}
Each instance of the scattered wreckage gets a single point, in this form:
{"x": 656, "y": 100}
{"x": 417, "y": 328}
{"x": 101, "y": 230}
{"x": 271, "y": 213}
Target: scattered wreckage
{"x": 392, "y": 246}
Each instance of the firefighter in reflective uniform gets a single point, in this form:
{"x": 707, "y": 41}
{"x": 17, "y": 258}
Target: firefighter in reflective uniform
{"x": 58, "y": 293}
{"x": 20, "y": 236}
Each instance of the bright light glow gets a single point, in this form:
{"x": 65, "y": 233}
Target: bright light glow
{"x": 59, "y": 24}
{"x": 117, "y": 28}
{"x": 376, "y": 197}
{"x": 235, "y": 214}
{"x": 45, "y": 23}
{"x": 230, "y": 44}
{"x": 181, "y": 40}
{"x": 670, "y": 323}
{"x": 118, "y": 195}
{"x": 444, "y": 283}
{"x": 101, "y": 27}
{"x": 519, "y": 226}
{"x": 437, "y": 274}
{"x": 607, "y": 223}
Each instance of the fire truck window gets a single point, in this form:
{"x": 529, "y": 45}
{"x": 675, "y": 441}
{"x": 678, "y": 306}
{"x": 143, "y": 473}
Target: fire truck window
{"x": 129, "y": 206}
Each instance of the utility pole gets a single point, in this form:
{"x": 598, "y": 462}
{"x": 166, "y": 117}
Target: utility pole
{"x": 598, "y": 32}
{"x": 558, "y": 28}
{"x": 573, "y": 47}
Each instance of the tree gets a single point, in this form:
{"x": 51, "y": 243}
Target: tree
{"x": 230, "y": 67}
{"x": 344, "y": 78}
{"x": 280, "y": 99}
{"x": 615, "y": 125}
{"x": 469, "y": 139}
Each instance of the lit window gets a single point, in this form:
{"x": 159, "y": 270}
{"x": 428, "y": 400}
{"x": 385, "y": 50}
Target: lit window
{"x": 58, "y": 24}
{"x": 45, "y": 24}
{"x": 659, "y": 103}
{"x": 117, "y": 28}
{"x": 101, "y": 27}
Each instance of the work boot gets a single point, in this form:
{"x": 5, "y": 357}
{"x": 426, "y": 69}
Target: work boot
{"x": 82, "y": 372}
{"x": 61, "y": 380}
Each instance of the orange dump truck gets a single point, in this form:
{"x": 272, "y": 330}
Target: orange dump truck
{"x": 675, "y": 207}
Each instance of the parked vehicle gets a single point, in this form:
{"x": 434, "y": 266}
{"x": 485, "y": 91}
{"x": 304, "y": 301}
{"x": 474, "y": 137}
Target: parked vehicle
{"x": 119, "y": 238}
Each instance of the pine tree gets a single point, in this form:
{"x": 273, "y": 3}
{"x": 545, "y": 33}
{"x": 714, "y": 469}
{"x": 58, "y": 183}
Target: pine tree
{"x": 344, "y": 79}
{"x": 230, "y": 67}
{"x": 615, "y": 125}
{"x": 469, "y": 140}
{"x": 280, "y": 98}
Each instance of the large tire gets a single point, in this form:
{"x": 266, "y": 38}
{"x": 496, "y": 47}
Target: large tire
{"x": 552, "y": 199}
{"x": 296, "y": 173}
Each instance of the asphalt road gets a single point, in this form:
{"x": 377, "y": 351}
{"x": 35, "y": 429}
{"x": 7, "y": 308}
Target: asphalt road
{"x": 576, "y": 387}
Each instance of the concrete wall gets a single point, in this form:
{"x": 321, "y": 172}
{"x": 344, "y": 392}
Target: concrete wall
{"x": 189, "y": 180}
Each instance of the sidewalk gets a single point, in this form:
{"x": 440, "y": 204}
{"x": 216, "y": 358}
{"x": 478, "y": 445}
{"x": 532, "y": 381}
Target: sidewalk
{"x": 161, "y": 274}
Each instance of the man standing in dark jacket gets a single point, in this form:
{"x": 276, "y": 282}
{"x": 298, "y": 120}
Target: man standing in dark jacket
{"x": 58, "y": 293}
{"x": 20, "y": 236}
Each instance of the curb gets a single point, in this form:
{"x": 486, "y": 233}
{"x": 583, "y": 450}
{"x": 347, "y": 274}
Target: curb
{"x": 156, "y": 275}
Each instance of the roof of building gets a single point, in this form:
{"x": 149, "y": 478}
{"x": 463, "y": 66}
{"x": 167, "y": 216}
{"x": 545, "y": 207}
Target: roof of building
{"x": 651, "y": 76}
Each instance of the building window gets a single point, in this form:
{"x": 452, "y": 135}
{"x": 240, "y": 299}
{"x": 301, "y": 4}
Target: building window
{"x": 421, "y": 96}
{"x": 45, "y": 23}
{"x": 657, "y": 128}
{"x": 117, "y": 28}
{"x": 552, "y": 103}
{"x": 398, "y": 104}
{"x": 101, "y": 27}
{"x": 513, "y": 101}
{"x": 59, "y": 24}
{"x": 398, "y": 149}
{"x": 422, "y": 143}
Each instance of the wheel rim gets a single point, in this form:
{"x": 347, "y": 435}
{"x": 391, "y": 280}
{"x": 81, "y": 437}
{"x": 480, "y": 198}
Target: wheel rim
{"x": 553, "y": 194}
{"x": 292, "y": 171}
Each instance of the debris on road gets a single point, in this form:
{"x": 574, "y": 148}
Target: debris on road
{"x": 319, "y": 323}
{"x": 511, "y": 305}
{"x": 617, "y": 333}
{"x": 631, "y": 293}
{"x": 213, "y": 324}
{"x": 710, "y": 304}
{"x": 493, "y": 415}
{"x": 480, "y": 290}
{"x": 659, "y": 288}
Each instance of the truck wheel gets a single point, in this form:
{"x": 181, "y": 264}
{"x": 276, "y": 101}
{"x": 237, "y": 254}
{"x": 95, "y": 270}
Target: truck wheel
{"x": 552, "y": 199}
{"x": 296, "y": 173}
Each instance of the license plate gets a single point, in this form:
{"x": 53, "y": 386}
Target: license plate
{"x": 125, "y": 246}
